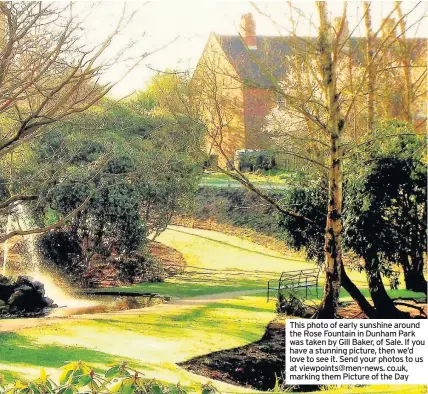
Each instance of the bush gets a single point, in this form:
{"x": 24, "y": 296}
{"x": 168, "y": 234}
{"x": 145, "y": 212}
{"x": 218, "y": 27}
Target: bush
{"x": 141, "y": 268}
{"x": 310, "y": 202}
{"x": 78, "y": 376}
{"x": 293, "y": 305}
{"x": 230, "y": 206}
{"x": 253, "y": 160}
{"x": 62, "y": 249}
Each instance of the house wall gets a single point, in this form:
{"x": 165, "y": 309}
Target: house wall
{"x": 220, "y": 95}
{"x": 243, "y": 109}
{"x": 420, "y": 104}
{"x": 257, "y": 104}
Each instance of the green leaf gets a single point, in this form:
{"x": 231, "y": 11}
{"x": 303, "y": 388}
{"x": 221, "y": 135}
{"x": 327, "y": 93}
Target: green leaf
{"x": 117, "y": 387}
{"x": 128, "y": 389}
{"x": 113, "y": 372}
{"x": 125, "y": 386}
{"x": 33, "y": 388}
{"x": 84, "y": 380}
{"x": 20, "y": 385}
{"x": 124, "y": 373}
{"x": 156, "y": 389}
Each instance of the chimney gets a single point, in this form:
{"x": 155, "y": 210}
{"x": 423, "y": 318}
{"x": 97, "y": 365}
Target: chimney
{"x": 344, "y": 34}
{"x": 388, "y": 28}
{"x": 248, "y": 31}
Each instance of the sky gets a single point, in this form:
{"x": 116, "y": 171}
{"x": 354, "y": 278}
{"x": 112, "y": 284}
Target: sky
{"x": 177, "y": 31}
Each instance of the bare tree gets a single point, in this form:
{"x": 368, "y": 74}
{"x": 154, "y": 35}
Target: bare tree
{"x": 48, "y": 73}
{"x": 328, "y": 94}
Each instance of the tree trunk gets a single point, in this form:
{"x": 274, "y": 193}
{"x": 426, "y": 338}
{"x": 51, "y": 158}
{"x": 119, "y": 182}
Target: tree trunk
{"x": 414, "y": 272}
{"x": 333, "y": 231}
{"x": 333, "y": 236}
{"x": 405, "y": 57}
{"x": 370, "y": 67}
{"x": 383, "y": 304}
{"x": 356, "y": 294}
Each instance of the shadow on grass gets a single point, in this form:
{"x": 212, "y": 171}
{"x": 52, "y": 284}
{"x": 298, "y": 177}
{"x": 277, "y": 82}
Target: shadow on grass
{"x": 198, "y": 319}
{"x": 190, "y": 287}
{"x": 344, "y": 295}
{"x": 242, "y": 248}
{"x": 18, "y": 349}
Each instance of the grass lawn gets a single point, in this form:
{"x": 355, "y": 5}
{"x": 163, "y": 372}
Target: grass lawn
{"x": 271, "y": 178}
{"x": 238, "y": 264}
{"x": 218, "y": 263}
{"x": 155, "y": 339}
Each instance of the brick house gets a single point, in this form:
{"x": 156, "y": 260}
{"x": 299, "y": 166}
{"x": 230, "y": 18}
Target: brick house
{"x": 234, "y": 64}
{"x": 237, "y": 79}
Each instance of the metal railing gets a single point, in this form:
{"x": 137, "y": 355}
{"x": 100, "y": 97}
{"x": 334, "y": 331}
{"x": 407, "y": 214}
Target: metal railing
{"x": 292, "y": 280}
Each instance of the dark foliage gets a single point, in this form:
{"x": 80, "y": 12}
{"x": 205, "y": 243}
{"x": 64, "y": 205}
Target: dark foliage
{"x": 110, "y": 221}
{"x": 237, "y": 207}
{"x": 255, "y": 160}
{"x": 293, "y": 305}
{"x": 299, "y": 235}
{"x": 62, "y": 248}
{"x": 386, "y": 216}
{"x": 141, "y": 268}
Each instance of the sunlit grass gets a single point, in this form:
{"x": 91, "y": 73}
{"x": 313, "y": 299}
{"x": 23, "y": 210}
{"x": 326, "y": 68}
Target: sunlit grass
{"x": 267, "y": 178}
{"x": 155, "y": 339}
{"x": 219, "y": 263}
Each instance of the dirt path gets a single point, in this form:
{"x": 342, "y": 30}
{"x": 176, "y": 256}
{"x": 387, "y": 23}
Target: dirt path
{"x": 13, "y": 325}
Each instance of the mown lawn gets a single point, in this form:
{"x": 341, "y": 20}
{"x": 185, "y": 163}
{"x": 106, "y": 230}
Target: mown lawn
{"x": 271, "y": 178}
{"x": 219, "y": 263}
{"x": 155, "y": 339}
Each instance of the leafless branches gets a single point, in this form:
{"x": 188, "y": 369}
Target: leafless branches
{"x": 49, "y": 73}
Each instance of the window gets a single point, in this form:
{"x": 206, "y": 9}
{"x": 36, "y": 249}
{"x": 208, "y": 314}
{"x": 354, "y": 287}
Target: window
{"x": 281, "y": 102}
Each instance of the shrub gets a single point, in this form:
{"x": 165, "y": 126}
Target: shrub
{"x": 141, "y": 268}
{"x": 253, "y": 160}
{"x": 230, "y": 206}
{"x": 298, "y": 234}
{"x": 62, "y": 249}
{"x": 293, "y": 305}
{"x": 80, "y": 377}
